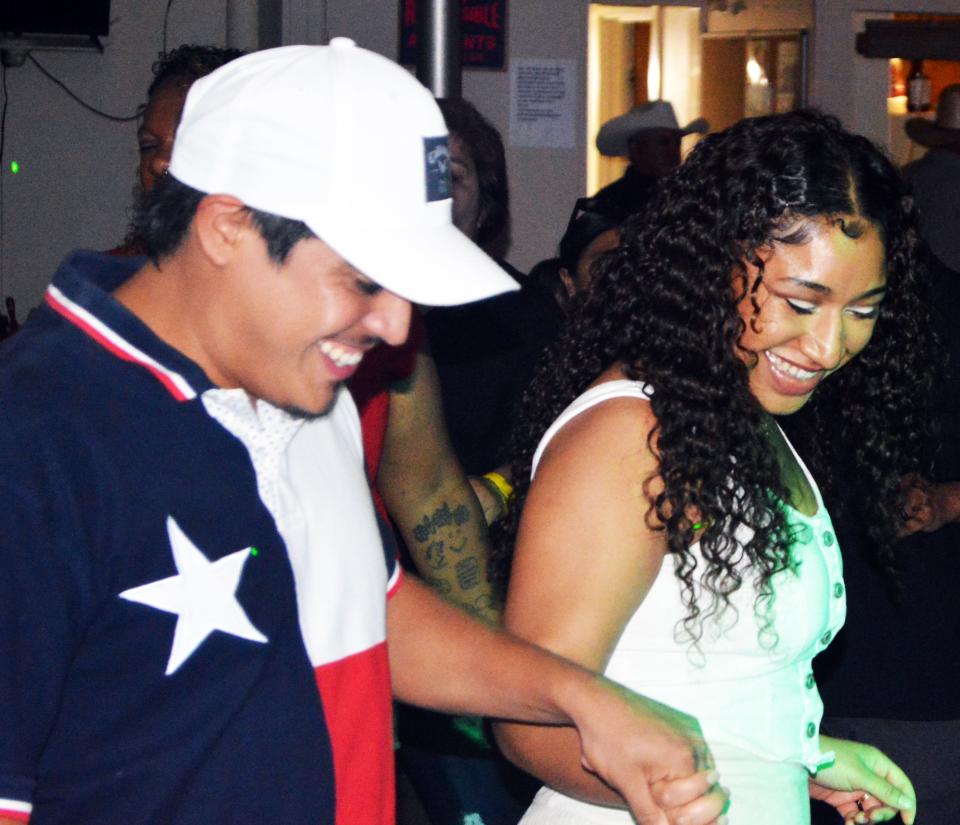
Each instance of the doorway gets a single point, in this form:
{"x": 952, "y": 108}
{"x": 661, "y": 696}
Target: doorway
{"x": 637, "y": 54}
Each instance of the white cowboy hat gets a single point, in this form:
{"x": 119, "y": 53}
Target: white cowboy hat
{"x": 614, "y": 136}
{"x": 945, "y": 131}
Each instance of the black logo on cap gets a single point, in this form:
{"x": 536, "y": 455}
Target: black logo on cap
{"x": 436, "y": 155}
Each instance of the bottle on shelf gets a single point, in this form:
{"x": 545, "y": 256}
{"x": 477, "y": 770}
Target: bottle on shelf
{"x": 918, "y": 88}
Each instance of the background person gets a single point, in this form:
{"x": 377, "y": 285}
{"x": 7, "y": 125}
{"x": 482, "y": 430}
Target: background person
{"x": 649, "y": 136}
{"x": 588, "y": 236}
{"x": 935, "y": 178}
{"x": 669, "y": 535}
{"x": 173, "y": 75}
{"x": 485, "y": 353}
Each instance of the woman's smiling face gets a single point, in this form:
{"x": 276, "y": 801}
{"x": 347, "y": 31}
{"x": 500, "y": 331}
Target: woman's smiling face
{"x": 813, "y": 309}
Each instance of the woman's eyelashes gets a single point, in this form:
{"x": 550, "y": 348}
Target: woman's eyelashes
{"x": 808, "y": 308}
{"x": 865, "y": 312}
{"x": 800, "y": 307}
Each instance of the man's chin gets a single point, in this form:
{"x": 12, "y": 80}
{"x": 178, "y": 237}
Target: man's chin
{"x": 306, "y": 415}
{"x": 310, "y": 413}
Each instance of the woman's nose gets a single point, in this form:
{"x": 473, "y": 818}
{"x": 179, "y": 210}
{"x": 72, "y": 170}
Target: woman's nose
{"x": 825, "y": 340}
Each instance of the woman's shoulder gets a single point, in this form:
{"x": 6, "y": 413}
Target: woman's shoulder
{"x": 612, "y": 416}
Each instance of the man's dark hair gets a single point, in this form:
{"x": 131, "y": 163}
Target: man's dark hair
{"x": 187, "y": 63}
{"x": 165, "y": 213}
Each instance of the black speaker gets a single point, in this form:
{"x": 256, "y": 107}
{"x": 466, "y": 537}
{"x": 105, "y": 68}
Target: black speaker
{"x": 83, "y": 17}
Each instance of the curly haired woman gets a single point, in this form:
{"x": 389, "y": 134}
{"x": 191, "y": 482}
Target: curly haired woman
{"x": 670, "y": 536}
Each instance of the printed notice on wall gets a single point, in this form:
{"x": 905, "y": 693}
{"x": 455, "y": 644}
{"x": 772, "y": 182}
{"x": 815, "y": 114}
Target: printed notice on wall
{"x": 543, "y": 103}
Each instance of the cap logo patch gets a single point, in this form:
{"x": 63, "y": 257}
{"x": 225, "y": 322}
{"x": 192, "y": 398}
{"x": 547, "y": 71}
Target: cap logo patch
{"x": 436, "y": 154}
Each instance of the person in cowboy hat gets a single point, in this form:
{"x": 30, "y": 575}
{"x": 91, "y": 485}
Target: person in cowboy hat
{"x": 935, "y": 177}
{"x": 649, "y": 136}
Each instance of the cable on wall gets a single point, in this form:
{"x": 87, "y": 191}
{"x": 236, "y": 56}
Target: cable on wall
{"x": 53, "y": 79}
{"x": 166, "y": 20}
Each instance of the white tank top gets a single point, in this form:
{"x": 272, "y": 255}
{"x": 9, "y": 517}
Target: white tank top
{"x": 754, "y": 703}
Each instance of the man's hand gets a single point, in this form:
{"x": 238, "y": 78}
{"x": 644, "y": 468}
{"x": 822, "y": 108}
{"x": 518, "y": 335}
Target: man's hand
{"x": 492, "y": 505}
{"x": 653, "y": 755}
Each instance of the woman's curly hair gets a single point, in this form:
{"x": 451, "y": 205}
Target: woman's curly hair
{"x": 188, "y": 63}
{"x": 664, "y": 305}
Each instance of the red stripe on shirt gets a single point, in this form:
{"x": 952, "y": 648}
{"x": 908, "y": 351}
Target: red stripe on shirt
{"x": 113, "y": 348}
{"x": 358, "y": 710}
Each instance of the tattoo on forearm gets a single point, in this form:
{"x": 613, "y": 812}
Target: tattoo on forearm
{"x": 443, "y": 587}
{"x": 436, "y": 556}
{"x": 442, "y": 517}
{"x": 468, "y": 572}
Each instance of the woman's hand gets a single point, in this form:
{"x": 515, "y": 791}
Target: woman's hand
{"x": 863, "y": 784}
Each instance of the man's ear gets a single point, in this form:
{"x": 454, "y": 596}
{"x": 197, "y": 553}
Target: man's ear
{"x": 219, "y": 225}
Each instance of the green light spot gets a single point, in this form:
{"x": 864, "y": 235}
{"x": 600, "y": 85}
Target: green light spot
{"x": 14, "y": 167}
{"x": 254, "y": 551}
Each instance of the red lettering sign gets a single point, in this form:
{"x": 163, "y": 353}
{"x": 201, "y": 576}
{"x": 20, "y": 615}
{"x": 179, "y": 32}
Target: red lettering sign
{"x": 484, "y": 32}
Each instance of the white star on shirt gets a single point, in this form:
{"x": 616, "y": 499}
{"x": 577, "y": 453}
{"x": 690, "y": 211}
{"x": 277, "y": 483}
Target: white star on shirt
{"x": 202, "y": 594}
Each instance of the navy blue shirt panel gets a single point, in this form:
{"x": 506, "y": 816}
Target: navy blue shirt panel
{"x": 95, "y": 455}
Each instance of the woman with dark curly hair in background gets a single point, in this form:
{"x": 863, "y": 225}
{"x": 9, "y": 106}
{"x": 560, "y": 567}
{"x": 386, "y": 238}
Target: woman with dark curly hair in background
{"x": 173, "y": 75}
{"x": 671, "y": 537}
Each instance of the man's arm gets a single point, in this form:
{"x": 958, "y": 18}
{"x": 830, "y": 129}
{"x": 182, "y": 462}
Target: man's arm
{"x": 441, "y": 658}
{"x": 429, "y": 498}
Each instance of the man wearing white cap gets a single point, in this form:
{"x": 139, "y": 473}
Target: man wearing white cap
{"x": 649, "y": 136}
{"x": 195, "y": 599}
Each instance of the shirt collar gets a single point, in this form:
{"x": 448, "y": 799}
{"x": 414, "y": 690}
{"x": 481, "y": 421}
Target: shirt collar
{"x": 81, "y": 293}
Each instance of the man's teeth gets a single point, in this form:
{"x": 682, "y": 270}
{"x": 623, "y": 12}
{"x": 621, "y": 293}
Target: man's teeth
{"x": 789, "y": 369}
{"x": 340, "y": 356}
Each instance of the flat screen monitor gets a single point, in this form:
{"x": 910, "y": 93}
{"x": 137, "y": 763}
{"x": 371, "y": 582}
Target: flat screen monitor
{"x": 90, "y": 17}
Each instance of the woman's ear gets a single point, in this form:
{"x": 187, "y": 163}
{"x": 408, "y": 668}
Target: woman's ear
{"x": 568, "y": 281}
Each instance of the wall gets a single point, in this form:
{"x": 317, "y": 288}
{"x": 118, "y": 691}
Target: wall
{"x": 76, "y": 169}
{"x": 852, "y": 87}
{"x": 763, "y": 15}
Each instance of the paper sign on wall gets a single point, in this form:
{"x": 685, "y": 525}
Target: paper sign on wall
{"x": 543, "y": 103}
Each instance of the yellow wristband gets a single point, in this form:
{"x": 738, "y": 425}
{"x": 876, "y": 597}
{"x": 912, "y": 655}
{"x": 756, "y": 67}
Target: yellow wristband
{"x": 503, "y": 488}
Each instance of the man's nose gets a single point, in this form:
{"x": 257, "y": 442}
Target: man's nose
{"x": 389, "y": 318}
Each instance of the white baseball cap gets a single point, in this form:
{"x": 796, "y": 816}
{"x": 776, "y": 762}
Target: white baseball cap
{"x": 351, "y": 144}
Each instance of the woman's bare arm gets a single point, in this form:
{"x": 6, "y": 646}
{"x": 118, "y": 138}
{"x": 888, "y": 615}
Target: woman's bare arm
{"x": 584, "y": 560}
